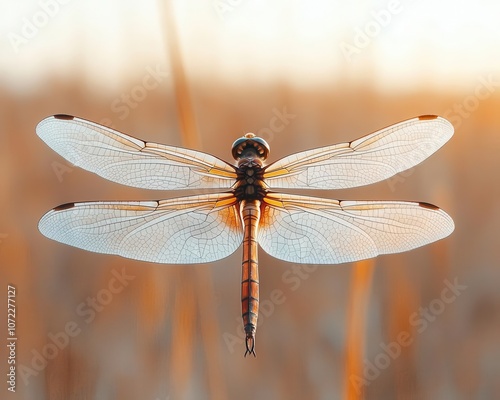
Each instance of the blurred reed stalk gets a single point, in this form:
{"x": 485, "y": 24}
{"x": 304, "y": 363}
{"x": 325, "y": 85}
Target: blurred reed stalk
{"x": 192, "y": 283}
{"x": 356, "y": 326}
{"x": 187, "y": 122}
{"x": 402, "y": 299}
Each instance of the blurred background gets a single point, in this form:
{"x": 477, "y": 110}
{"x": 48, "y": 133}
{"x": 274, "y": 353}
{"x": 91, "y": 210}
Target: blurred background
{"x": 418, "y": 325}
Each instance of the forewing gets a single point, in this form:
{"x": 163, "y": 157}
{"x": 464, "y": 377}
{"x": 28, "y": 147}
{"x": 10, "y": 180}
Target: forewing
{"x": 130, "y": 161}
{"x": 369, "y": 159}
{"x": 320, "y": 231}
{"x": 195, "y": 229}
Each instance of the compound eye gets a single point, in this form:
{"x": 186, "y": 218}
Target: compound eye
{"x": 250, "y": 140}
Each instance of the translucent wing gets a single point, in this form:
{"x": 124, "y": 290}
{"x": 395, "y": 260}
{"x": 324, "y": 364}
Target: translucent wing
{"x": 320, "y": 231}
{"x": 185, "y": 230}
{"x": 369, "y": 159}
{"x": 129, "y": 161}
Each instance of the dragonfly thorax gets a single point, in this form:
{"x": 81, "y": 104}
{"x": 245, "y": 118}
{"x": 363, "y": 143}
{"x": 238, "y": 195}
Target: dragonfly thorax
{"x": 250, "y": 182}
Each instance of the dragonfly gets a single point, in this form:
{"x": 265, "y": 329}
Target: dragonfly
{"x": 245, "y": 206}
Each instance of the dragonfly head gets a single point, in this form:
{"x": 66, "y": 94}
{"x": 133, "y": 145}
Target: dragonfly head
{"x": 250, "y": 145}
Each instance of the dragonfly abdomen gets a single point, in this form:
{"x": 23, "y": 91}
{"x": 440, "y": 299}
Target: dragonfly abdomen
{"x": 250, "y": 214}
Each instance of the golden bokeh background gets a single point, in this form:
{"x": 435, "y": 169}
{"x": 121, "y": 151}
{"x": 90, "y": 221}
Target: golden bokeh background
{"x": 422, "y": 324}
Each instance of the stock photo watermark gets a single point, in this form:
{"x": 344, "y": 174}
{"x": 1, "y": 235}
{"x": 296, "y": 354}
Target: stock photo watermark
{"x": 11, "y": 337}
{"x": 364, "y": 36}
{"x": 225, "y": 7}
{"x": 292, "y": 279}
{"x": 277, "y": 123}
{"x": 420, "y": 320}
{"x": 122, "y": 106}
{"x": 60, "y": 169}
{"x": 138, "y": 93}
{"x": 87, "y": 310}
{"x": 31, "y": 25}
{"x": 417, "y": 156}
{"x": 485, "y": 87}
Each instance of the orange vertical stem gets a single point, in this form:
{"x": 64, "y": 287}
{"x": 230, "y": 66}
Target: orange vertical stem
{"x": 205, "y": 307}
{"x": 356, "y": 328}
{"x": 187, "y": 121}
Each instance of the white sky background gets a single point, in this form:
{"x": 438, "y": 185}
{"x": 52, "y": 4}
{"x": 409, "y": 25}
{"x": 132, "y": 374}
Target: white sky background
{"x": 440, "y": 43}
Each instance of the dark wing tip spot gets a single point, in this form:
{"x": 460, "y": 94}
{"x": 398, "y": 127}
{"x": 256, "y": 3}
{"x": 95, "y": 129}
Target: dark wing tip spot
{"x": 64, "y": 206}
{"x": 428, "y": 205}
{"x": 427, "y": 117}
{"x": 63, "y": 116}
